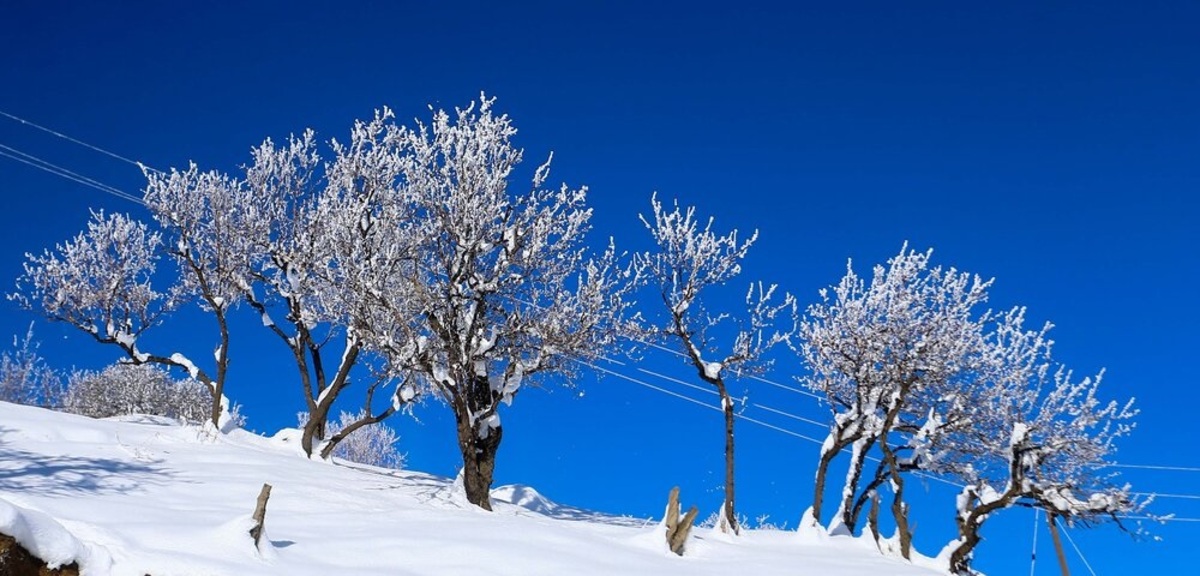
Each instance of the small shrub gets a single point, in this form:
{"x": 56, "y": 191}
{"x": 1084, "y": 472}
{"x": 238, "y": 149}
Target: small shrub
{"x": 26, "y": 378}
{"x": 374, "y": 444}
{"x": 136, "y": 389}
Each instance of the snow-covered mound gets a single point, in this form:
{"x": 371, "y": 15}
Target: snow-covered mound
{"x": 135, "y": 496}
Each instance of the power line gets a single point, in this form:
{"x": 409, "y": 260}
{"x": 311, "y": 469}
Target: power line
{"x": 1156, "y": 467}
{"x": 694, "y": 401}
{"x": 74, "y": 140}
{"x": 1077, "y": 550}
{"x": 46, "y": 166}
{"x": 670, "y": 350}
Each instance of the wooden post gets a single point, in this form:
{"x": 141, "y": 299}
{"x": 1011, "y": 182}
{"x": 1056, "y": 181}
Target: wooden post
{"x": 678, "y": 528}
{"x": 260, "y": 513}
{"x": 1062, "y": 558}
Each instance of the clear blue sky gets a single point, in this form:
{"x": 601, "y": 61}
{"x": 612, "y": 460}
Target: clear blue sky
{"x": 1054, "y": 148}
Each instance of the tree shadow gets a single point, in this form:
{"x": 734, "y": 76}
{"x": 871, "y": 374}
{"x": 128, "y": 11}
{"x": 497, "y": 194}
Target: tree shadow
{"x": 69, "y": 475}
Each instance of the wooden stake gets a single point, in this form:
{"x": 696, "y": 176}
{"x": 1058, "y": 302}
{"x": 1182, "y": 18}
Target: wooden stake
{"x": 260, "y": 513}
{"x": 678, "y": 528}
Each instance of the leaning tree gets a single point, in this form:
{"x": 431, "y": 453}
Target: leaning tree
{"x": 1040, "y": 438}
{"x": 692, "y": 260}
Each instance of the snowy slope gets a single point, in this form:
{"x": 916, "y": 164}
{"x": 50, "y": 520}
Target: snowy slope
{"x": 145, "y": 496}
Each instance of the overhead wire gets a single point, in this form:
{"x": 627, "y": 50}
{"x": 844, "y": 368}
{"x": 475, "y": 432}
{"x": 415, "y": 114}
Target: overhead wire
{"x": 73, "y": 140}
{"x": 1078, "y": 551}
{"x": 47, "y": 166}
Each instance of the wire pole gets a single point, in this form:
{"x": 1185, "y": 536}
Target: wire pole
{"x": 1033, "y": 554}
{"x": 1058, "y": 548}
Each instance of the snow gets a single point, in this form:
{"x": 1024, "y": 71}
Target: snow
{"x": 182, "y": 360}
{"x": 134, "y": 496}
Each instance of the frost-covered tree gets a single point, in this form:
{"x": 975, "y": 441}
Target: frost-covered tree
{"x": 690, "y": 261}
{"x": 501, "y": 291}
{"x": 1040, "y": 437}
{"x": 210, "y": 220}
{"x": 886, "y": 355}
{"x": 299, "y": 283}
{"x": 124, "y": 389}
{"x": 26, "y": 378}
{"x": 100, "y": 283}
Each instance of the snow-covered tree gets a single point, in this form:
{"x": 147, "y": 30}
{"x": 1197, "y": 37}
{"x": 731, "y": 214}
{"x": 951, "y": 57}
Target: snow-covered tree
{"x": 298, "y": 284}
{"x": 890, "y": 356}
{"x": 501, "y": 290}
{"x": 124, "y": 389}
{"x": 100, "y": 283}
{"x": 210, "y": 220}
{"x": 26, "y": 378}
{"x": 1040, "y": 437}
{"x": 690, "y": 261}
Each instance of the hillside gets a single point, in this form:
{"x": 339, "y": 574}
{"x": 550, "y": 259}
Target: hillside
{"x": 146, "y": 496}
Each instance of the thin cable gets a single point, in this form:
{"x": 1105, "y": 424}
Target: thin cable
{"x": 789, "y": 415}
{"x": 67, "y": 174}
{"x": 60, "y": 171}
{"x": 1160, "y": 519}
{"x": 694, "y": 401}
{"x": 76, "y": 141}
{"x": 1077, "y": 550}
{"x": 1161, "y": 495}
{"x": 758, "y": 378}
{"x": 1156, "y": 467}
{"x": 680, "y": 382}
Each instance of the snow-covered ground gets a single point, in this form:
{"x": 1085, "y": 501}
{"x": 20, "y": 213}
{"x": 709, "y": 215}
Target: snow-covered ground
{"x": 145, "y": 496}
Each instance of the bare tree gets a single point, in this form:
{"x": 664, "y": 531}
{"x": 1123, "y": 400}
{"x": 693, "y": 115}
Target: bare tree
{"x": 691, "y": 260}
{"x": 501, "y": 291}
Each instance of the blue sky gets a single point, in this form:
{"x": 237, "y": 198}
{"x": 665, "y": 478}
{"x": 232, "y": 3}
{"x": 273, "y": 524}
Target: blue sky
{"x": 1054, "y": 148}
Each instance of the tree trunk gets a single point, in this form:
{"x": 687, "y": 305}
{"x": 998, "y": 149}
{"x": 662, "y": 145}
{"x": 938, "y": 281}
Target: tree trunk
{"x": 479, "y": 461}
{"x": 899, "y": 508}
{"x": 729, "y": 523}
{"x": 858, "y": 459}
{"x": 314, "y": 428}
{"x": 823, "y": 471}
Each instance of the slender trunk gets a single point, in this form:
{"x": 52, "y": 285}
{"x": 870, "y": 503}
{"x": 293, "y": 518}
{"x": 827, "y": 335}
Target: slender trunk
{"x": 729, "y": 522}
{"x": 858, "y": 458}
{"x": 837, "y": 444}
{"x": 899, "y": 508}
{"x": 218, "y": 388}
